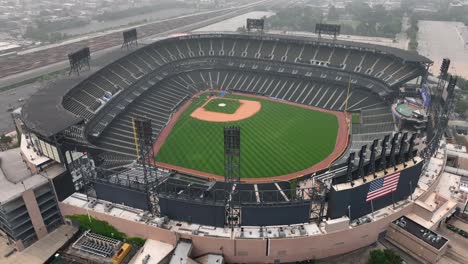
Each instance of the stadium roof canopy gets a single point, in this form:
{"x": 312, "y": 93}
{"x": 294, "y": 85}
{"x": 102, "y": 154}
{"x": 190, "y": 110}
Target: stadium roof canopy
{"x": 406, "y": 55}
{"x": 43, "y": 112}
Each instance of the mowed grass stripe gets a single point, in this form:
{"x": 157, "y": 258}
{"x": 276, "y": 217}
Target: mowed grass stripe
{"x": 264, "y": 145}
{"x": 279, "y": 139}
{"x": 295, "y": 158}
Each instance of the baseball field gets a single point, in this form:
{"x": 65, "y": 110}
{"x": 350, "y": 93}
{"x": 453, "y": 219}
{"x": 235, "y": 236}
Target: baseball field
{"x": 276, "y": 138}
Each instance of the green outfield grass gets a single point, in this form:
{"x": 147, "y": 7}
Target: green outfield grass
{"x": 278, "y": 140}
{"x": 230, "y": 106}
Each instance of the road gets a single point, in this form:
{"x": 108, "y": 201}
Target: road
{"x": 95, "y": 26}
{"x": 234, "y": 23}
{"x": 11, "y": 98}
{"x": 43, "y": 57}
{"x": 457, "y": 251}
{"x": 442, "y": 39}
{"x": 99, "y": 59}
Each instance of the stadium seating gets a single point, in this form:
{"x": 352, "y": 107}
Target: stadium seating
{"x": 84, "y": 100}
{"x": 377, "y": 122}
{"x": 157, "y": 105}
{"x": 243, "y": 193}
{"x": 329, "y": 66}
{"x": 164, "y": 98}
{"x": 185, "y": 187}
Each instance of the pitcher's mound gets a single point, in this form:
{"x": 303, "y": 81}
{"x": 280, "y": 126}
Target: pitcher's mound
{"x": 247, "y": 108}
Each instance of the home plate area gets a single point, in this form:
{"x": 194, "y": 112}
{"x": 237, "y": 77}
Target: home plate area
{"x": 217, "y": 109}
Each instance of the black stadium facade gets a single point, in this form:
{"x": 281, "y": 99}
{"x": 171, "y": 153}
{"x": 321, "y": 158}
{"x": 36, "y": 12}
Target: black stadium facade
{"x": 87, "y": 122}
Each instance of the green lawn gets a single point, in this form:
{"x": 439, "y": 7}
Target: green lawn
{"x": 278, "y": 140}
{"x": 216, "y": 105}
{"x": 103, "y": 228}
{"x": 356, "y": 118}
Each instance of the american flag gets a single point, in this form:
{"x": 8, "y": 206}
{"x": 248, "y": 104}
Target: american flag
{"x": 383, "y": 186}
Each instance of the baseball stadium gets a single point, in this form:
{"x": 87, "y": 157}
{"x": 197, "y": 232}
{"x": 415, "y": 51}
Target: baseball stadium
{"x": 256, "y": 147}
{"x": 280, "y": 133}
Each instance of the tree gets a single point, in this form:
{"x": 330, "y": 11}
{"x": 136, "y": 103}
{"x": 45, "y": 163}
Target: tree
{"x": 461, "y": 106}
{"x": 241, "y": 29}
{"x": 386, "y": 256}
{"x": 4, "y": 139}
{"x": 333, "y": 14}
{"x": 408, "y": 5}
{"x": 87, "y": 222}
{"x": 362, "y": 29}
{"x": 347, "y": 29}
{"x": 295, "y": 18}
{"x": 462, "y": 83}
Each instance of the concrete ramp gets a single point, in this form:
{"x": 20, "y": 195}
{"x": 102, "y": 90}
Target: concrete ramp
{"x": 181, "y": 254}
{"x": 210, "y": 259}
{"x": 153, "y": 252}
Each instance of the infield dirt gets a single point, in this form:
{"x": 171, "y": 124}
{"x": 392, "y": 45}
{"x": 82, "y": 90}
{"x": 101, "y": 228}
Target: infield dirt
{"x": 246, "y": 109}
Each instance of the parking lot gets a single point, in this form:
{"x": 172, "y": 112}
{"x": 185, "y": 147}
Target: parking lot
{"x": 441, "y": 39}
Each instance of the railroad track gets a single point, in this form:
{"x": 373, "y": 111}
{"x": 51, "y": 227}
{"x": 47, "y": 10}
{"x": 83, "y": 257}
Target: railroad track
{"x": 33, "y": 60}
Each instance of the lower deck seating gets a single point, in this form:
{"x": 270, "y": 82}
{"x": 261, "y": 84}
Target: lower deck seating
{"x": 376, "y": 123}
{"x": 159, "y": 102}
{"x": 238, "y": 193}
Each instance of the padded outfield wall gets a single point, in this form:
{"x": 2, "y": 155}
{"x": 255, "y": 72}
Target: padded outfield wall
{"x": 210, "y": 213}
{"x": 213, "y": 214}
{"x": 338, "y": 201}
{"x": 279, "y": 214}
{"x": 121, "y": 195}
{"x": 204, "y": 213}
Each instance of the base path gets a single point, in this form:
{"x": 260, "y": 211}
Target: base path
{"x": 246, "y": 109}
{"x": 341, "y": 144}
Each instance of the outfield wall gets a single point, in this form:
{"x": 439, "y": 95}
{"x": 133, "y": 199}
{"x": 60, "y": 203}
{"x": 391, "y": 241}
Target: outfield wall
{"x": 213, "y": 214}
{"x": 355, "y": 198}
{"x": 285, "y": 214}
{"x": 256, "y": 250}
{"x": 193, "y": 212}
{"x": 121, "y": 195}
{"x": 341, "y": 202}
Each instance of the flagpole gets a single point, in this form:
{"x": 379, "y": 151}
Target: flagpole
{"x": 89, "y": 217}
{"x": 372, "y": 207}
{"x": 347, "y": 95}
{"x": 410, "y": 192}
{"x": 349, "y": 213}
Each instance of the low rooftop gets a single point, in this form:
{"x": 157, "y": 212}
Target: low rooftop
{"x": 422, "y": 233}
{"x": 13, "y": 167}
{"x": 10, "y": 190}
{"x": 156, "y": 250}
{"x": 15, "y": 177}
{"x": 42, "y": 250}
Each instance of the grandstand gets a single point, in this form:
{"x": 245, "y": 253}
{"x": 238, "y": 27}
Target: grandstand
{"x": 156, "y": 79}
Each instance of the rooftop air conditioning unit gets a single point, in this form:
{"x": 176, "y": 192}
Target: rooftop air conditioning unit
{"x": 108, "y": 207}
{"x": 92, "y": 203}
